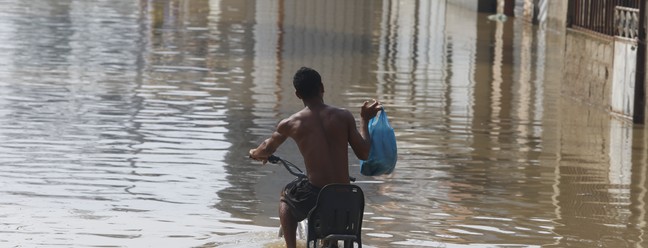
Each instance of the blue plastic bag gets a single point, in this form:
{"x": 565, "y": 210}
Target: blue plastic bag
{"x": 383, "y": 152}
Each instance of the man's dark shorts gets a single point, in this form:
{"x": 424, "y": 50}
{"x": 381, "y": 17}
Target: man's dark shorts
{"x": 301, "y": 197}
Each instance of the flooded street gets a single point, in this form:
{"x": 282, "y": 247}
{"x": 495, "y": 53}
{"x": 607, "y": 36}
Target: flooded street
{"x": 127, "y": 124}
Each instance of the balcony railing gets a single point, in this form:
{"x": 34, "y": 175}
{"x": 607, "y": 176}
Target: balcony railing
{"x": 626, "y": 21}
{"x": 602, "y": 16}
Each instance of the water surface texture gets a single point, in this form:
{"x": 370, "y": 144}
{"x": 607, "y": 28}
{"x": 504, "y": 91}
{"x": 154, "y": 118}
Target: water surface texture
{"x": 127, "y": 124}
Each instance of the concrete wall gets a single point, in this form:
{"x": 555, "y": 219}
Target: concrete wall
{"x": 587, "y": 74}
{"x": 557, "y": 14}
{"x": 624, "y": 77}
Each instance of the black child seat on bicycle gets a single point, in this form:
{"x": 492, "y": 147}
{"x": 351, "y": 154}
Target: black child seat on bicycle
{"x": 337, "y": 216}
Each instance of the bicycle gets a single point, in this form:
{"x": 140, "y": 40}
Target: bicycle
{"x": 348, "y": 231}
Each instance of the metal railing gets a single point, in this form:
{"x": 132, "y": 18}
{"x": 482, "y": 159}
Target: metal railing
{"x": 599, "y": 15}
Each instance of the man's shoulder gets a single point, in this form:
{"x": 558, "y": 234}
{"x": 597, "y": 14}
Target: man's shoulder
{"x": 343, "y": 112}
{"x": 294, "y": 119}
{"x": 339, "y": 114}
{"x": 337, "y": 110}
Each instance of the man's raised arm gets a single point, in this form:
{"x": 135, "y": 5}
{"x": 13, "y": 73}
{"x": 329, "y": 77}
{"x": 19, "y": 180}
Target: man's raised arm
{"x": 361, "y": 141}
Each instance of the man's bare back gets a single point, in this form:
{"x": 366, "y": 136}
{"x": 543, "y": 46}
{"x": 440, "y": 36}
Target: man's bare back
{"x": 322, "y": 134}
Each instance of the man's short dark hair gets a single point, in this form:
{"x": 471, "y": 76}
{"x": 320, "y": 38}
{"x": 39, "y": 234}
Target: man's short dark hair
{"x": 307, "y": 82}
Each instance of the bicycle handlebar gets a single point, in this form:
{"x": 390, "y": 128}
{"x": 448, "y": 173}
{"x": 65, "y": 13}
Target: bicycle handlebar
{"x": 289, "y": 166}
{"x": 274, "y": 159}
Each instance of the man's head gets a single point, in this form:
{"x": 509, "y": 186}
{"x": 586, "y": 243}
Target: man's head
{"x": 308, "y": 83}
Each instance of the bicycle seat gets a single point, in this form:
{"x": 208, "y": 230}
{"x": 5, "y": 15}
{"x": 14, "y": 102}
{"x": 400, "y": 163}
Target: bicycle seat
{"x": 337, "y": 216}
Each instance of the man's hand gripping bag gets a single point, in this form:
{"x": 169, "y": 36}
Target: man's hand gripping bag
{"x": 383, "y": 152}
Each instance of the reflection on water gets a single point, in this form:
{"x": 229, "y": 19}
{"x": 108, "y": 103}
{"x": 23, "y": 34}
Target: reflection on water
{"x": 127, "y": 124}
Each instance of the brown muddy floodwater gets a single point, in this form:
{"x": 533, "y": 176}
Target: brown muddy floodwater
{"x": 127, "y": 124}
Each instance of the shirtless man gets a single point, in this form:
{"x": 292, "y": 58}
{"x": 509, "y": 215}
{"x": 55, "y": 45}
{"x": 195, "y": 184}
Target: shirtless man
{"x": 322, "y": 134}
